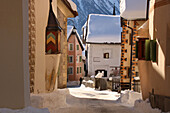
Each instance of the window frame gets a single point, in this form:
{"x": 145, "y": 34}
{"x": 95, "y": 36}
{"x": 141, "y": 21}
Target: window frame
{"x": 77, "y": 47}
{"x": 141, "y": 48}
{"x": 80, "y": 58}
{"x": 72, "y": 58}
{"x": 105, "y": 54}
{"x": 70, "y": 47}
{"x": 80, "y": 70}
{"x": 77, "y": 59}
{"x": 77, "y": 70}
{"x": 70, "y": 67}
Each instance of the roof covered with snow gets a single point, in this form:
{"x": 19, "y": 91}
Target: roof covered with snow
{"x": 73, "y": 5}
{"x": 103, "y": 29}
{"x": 133, "y": 9}
{"x": 70, "y": 5}
{"x": 70, "y": 30}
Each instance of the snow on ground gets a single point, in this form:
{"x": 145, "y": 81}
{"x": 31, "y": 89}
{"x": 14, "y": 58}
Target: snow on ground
{"x": 145, "y": 107}
{"x": 53, "y": 100}
{"x": 86, "y": 92}
{"x": 132, "y": 101}
{"x": 87, "y": 100}
{"x": 129, "y": 97}
{"x": 73, "y": 83}
{"x": 25, "y": 110}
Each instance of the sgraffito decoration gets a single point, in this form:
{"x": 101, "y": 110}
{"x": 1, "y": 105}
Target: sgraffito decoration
{"x": 32, "y": 43}
{"x": 53, "y": 30}
{"x": 51, "y": 43}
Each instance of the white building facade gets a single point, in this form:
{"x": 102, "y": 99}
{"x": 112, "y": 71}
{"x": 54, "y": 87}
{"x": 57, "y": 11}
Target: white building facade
{"x": 103, "y": 57}
{"x": 102, "y": 35}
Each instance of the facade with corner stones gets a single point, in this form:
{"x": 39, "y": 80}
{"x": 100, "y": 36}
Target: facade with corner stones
{"x": 152, "y": 45}
{"x": 27, "y": 60}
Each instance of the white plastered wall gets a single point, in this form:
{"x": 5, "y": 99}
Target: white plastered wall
{"x": 14, "y": 66}
{"x": 97, "y": 51}
{"x": 41, "y": 16}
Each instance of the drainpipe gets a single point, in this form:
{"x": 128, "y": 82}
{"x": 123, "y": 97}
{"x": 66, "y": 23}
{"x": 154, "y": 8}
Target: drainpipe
{"x": 130, "y": 84}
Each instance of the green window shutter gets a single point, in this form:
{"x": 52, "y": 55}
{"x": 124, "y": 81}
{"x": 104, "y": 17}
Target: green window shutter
{"x": 80, "y": 69}
{"x": 136, "y": 54}
{"x": 77, "y": 47}
{"x": 77, "y": 70}
{"x": 71, "y": 46}
{"x": 147, "y": 50}
{"x": 153, "y": 50}
{"x": 80, "y": 59}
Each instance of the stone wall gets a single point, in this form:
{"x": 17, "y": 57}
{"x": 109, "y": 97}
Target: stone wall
{"x": 62, "y": 78}
{"x": 32, "y": 43}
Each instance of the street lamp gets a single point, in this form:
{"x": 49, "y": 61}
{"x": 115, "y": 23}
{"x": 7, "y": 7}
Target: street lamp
{"x": 53, "y": 33}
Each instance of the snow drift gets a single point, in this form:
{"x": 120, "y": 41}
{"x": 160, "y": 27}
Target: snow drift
{"x": 144, "y": 107}
{"x": 128, "y": 97}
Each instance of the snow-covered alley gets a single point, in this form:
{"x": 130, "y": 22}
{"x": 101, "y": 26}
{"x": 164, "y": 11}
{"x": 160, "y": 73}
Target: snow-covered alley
{"x": 88, "y": 100}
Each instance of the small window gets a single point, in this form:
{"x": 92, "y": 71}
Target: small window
{"x": 70, "y": 70}
{"x": 70, "y": 59}
{"x": 106, "y": 55}
{"x": 141, "y": 48}
{"x": 80, "y": 69}
{"x": 77, "y": 70}
{"x": 77, "y": 59}
{"x": 80, "y": 58}
{"x": 77, "y": 47}
{"x": 71, "y": 47}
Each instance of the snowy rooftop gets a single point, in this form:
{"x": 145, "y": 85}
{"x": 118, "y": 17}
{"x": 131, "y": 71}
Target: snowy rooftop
{"x": 69, "y": 30}
{"x": 133, "y": 9}
{"x": 103, "y": 29}
{"x": 73, "y": 5}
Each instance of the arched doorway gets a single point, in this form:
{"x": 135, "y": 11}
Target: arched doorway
{"x": 101, "y": 70}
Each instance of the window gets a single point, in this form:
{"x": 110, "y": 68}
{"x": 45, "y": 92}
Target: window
{"x": 106, "y": 55}
{"x": 146, "y": 49}
{"x": 71, "y": 47}
{"x": 77, "y": 59}
{"x": 77, "y": 47}
{"x": 80, "y": 58}
{"x": 80, "y": 69}
{"x": 70, "y": 70}
{"x": 77, "y": 70}
{"x": 70, "y": 59}
{"x": 141, "y": 48}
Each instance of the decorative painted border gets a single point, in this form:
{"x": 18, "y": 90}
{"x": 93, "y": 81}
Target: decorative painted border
{"x": 32, "y": 43}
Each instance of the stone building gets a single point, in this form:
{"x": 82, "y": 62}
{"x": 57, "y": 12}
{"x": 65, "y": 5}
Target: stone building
{"x": 151, "y": 41}
{"x": 131, "y": 19}
{"x": 65, "y": 10}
